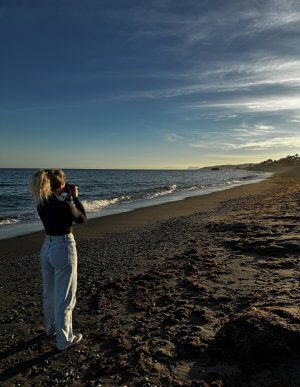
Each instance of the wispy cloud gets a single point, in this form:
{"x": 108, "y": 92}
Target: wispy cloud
{"x": 276, "y": 142}
{"x": 255, "y": 105}
{"x": 249, "y": 137}
{"x": 281, "y": 142}
{"x": 207, "y": 145}
{"x": 268, "y": 75}
{"x": 252, "y": 131}
{"x": 172, "y": 137}
{"x": 247, "y": 19}
{"x": 246, "y": 64}
{"x": 192, "y": 27}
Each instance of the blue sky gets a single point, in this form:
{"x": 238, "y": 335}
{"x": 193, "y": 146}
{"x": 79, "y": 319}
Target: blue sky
{"x": 148, "y": 84}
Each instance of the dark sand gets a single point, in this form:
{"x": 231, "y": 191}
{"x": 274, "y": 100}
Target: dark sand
{"x": 200, "y": 292}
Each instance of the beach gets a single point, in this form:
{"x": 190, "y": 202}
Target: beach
{"x": 198, "y": 292}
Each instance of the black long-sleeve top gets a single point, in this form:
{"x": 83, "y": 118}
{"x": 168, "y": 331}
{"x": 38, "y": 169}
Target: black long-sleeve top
{"x": 58, "y": 216}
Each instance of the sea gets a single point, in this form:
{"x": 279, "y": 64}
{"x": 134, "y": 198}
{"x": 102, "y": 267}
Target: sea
{"x": 110, "y": 191}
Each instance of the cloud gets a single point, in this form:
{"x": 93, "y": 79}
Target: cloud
{"x": 206, "y": 145}
{"x": 276, "y": 142}
{"x": 245, "y": 64}
{"x": 254, "y": 130}
{"x": 249, "y": 137}
{"x": 207, "y": 21}
{"x": 192, "y": 28}
{"x": 172, "y": 137}
{"x": 255, "y": 105}
{"x": 294, "y": 119}
{"x": 291, "y": 142}
{"x": 271, "y": 76}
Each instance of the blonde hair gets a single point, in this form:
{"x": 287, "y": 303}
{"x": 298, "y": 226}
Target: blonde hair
{"x": 45, "y": 182}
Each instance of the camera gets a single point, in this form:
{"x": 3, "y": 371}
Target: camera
{"x": 71, "y": 186}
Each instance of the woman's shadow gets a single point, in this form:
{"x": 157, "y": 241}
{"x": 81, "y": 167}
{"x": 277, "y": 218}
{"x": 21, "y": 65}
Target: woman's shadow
{"x": 22, "y": 367}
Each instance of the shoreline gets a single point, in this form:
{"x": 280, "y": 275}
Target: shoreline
{"x": 20, "y": 228}
{"x": 100, "y": 227}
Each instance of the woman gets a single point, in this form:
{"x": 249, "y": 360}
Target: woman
{"x": 58, "y": 254}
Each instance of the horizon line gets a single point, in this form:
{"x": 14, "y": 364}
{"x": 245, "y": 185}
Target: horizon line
{"x": 140, "y": 169}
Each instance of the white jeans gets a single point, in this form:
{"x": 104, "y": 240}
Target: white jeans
{"x": 59, "y": 270}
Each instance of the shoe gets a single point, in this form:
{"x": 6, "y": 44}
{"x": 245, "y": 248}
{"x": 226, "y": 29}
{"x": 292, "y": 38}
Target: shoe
{"x": 77, "y": 339}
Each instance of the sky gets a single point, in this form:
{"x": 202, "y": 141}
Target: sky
{"x": 148, "y": 83}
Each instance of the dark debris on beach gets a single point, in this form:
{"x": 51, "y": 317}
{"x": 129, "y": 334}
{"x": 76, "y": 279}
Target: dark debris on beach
{"x": 210, "y": 299}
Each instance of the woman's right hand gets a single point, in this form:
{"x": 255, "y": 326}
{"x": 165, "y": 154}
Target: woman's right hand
{"x": 69, "y": 192}
{"x": 75, "y": 191}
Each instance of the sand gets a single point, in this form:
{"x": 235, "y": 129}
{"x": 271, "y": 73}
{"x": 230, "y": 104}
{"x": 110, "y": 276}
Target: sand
{"x": 201, "y": 292}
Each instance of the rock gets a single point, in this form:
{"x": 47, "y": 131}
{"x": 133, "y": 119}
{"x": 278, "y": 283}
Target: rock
{"x": 266, "y": 331}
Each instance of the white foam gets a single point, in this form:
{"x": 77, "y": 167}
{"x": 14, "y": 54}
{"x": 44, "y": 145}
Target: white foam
{"x": 96, "y": 205}
{"x": 231, "y": 181}
{"x": 191, "y": 188}
{"x": 171, "y": 189}
{"x": 4, "y": 222}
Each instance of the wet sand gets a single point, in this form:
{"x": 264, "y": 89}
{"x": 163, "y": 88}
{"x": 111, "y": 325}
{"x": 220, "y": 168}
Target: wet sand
{"x": 201, "y": 292}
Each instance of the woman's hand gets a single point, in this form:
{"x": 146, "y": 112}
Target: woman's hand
{"x": 69, "y": 193}
{"x": 75, "y": 191}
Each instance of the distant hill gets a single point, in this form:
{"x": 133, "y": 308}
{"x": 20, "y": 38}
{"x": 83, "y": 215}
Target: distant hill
{"x": 267, "y": 165}
{"x": 288, "y": 161}
{"x": 230, "y": 166}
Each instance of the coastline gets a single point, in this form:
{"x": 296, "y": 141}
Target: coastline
{"x": 15, "y": 226}
{"x": 207, "y": 297}
{"x": 98, "y": 227}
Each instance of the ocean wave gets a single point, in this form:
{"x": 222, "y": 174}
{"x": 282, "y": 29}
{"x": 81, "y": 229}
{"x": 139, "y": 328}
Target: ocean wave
{"x": 165, "y": 191}
{"x": 240, "y": 179}
{"x": 231, "y": 181}
{"x": 193, "y": 187}
{"x": 5, "y": 222}
{"x": 96, "y": 205}
{"x": 99, "y": 204}
{"x": 13, "y": 219}
{"x": 149, "y": 193}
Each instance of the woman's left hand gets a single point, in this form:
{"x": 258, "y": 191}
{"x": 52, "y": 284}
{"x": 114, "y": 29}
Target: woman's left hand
{"x": 69, "y": 194}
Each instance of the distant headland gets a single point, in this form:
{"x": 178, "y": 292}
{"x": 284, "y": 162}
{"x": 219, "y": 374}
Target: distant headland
{"x": 267, "y": 165}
